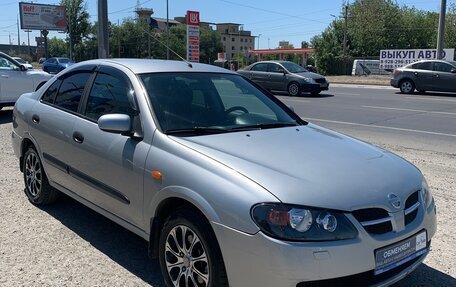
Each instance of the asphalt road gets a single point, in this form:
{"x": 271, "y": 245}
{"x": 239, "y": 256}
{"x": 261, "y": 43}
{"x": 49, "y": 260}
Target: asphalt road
{"x": 375, "y": 113}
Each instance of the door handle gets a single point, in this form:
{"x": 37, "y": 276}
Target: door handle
{"x": 436, "y": 75}
{"x": 416, "y": 74}
{"x": 35, "y": 119}
{"x": 78, "y": 137}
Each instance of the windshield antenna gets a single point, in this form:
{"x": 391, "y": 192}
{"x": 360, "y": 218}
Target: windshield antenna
{"x": 167, "y": 47}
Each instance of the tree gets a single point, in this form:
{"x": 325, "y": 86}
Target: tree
{"x": 210, "y": 45}
{"x": 57, "y": 47}
{"x": 78, "y": 26}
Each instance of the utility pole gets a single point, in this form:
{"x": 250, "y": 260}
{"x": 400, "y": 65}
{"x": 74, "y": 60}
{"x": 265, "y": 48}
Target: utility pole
{"x": 28, "y": 42}
{"x": 441, "y": 35}
{"x": 103, "y": 44}
{"x": 259, "y": 35}
{"x": 18, "y": 37}
{"x": 167, "y": 30}
{"x": 118, "y": 36}
{"x": 345, "y": 27}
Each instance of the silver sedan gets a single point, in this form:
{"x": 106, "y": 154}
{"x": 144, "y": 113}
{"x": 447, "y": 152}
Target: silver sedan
{"x": 227, "y": 185}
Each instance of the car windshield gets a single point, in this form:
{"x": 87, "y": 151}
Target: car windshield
{"x": 20, "y": 60}
{"x": 293, "y": 68}
{"x": 204, "y": 103}
{"x": 64, "y": 60}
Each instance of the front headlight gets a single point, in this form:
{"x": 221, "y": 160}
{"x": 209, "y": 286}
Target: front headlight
{"x": 298, "y": 223}
{"x": 309, "y": 80}
{"x": 425, "y": 193}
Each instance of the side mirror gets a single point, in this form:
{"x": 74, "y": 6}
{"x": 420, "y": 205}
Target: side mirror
{"x": 23, "y": 68}
{"x": 291, "y": 108}
{"x": 115, "y": 123}
{"x": 281, "y": 70}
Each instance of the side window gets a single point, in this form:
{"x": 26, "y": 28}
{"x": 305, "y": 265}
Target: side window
{"x": 261, "y": 67}
{"x": 51, "y": 92}
{"x": 423, "y": 66}
{"x": 71, "y": 91}
{"x": 5, "y": 64}
{"x": 274, "y": 68}
{"x": 109, "y": 95}
{"x": 442, "y": 67}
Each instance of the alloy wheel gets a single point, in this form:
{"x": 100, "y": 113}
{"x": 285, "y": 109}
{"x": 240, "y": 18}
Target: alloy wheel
{"x": 406, "y": 87}
{"x": 186, "y": 258}
{"x": 33, "y": 174}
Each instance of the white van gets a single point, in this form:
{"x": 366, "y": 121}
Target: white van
{"x": 368, "y": 67}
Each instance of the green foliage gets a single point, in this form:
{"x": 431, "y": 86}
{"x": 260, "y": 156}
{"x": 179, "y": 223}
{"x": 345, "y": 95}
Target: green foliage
{"x": 78, "y": 26}
{"x": 57, "y": 47}
{"x": 374, "y": 25}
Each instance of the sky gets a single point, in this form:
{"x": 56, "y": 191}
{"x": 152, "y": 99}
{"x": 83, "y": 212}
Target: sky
{"x": 271, "y": 20}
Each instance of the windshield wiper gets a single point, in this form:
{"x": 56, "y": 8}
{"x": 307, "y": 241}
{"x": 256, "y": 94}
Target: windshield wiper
{"x": 261, "y": 126}
{"x": 197, "y": 130}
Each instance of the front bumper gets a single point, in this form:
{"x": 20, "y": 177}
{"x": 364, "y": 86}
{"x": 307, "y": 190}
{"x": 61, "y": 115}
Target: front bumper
{"x": 258, "y": 260}
{"x": 318, "y": 87}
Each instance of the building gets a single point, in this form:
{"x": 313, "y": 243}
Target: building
{"x": 235, "y": 40}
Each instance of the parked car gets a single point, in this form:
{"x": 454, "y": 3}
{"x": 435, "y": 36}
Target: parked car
{"x": 223, "y": 180}
{"x": 429, "y": 75}
{"x": 285, "y": 76}
{"x": 23, "y": 62}
{"x": 55, "y": 65}
{"x": 16, "y": 79}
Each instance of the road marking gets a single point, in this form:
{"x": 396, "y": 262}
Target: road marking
{"x": 410, "y": 110}
{"x": 347, "y": 94}
{"x": 430, "y": 99}
{"x": 297, "y": 101}
{"x": 376, "y": 87}
{"x": 382, "y": 127}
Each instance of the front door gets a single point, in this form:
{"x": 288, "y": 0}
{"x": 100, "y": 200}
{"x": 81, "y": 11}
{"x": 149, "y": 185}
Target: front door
{"x": 109, "y": 166}
{"x": 444, "y": 77}
{"x": 13, "y": 81}
{"x": 277, "y": 77}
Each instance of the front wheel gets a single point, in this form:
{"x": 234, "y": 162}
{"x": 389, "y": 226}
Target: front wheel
{"x": 294, "y": 89}
{"x": 189, "y": 253}
{"x": 407, "y": 86}
{"x": 37, "y": 187}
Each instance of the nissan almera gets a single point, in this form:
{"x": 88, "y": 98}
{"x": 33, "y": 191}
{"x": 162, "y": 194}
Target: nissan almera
{"x": 228, "y": 185}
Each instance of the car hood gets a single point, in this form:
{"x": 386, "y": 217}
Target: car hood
{"x": 313, "y": 166}
{"x": 309, "y": 75}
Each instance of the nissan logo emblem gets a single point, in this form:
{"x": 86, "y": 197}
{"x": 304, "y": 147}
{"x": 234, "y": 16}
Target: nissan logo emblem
{"x": 394, "y": 200}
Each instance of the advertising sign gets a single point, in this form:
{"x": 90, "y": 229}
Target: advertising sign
{"x": 42, "y": 17}
{"x": 392, "y": 59}
{"x": 193, "y": 36}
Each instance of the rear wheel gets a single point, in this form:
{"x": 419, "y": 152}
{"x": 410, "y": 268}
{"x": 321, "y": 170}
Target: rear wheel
{"x": 37, "y": 187}
{"x": 189, "y": 253}
{"x": 294, "y": 89}
{"x": 407, "y": 86}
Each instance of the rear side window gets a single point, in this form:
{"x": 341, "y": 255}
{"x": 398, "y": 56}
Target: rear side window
{"x": 109, "y": 95}
{"x": 51, "y": 92}
{"x": 423, "y": 66}
{"x": 261, "y": 67}
{"x": 71, "y": 91}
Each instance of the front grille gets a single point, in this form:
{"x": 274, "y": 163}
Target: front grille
{"x": 374, "y": 220}
{"x": 378, "y": 220}
{"x": 320, "y": 80}
{"x": 362, "y": 279}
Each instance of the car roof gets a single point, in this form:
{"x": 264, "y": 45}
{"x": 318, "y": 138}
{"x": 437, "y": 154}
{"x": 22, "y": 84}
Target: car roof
{"x": 142, "y": 66}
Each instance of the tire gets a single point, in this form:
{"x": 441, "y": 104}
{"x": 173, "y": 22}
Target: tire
{"x": 206, "y": 272}
{"x": 37, "y": 187}
{"x": 407, "y": 86}
{"x": 294, "y": 89}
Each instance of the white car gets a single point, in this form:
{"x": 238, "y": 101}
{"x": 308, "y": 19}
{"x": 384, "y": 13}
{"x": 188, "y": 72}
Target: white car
{"x": 23, "y": 62}
{"x": 16, "y": 79}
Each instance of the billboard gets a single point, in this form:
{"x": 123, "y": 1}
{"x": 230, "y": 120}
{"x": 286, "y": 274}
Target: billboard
{"x": 42, "y": 17}
{"x": 193, "y": 36}
{"x": 392, "y": 59}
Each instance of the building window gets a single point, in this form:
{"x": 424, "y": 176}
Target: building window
{"x": 232, "y": 39}
{"x": 224, "y": 38}
{"x": 232, "y": 55}
{"x": 250, "y": 40}
{"x": 242, "y": 48}
{"x": 232, "y": 48}
{"x": 242, "y": 39}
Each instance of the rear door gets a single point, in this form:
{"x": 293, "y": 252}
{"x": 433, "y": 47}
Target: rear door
{"x": 444, "y": 76}
{"x": 276, "y": 77}
{"x": 52, "y": 123}
{"x": 423, "y": 76}
{"x": 109, "y": 167}
{"x": 259, "y": 74}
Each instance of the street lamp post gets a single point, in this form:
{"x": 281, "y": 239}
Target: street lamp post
{"x": 167, "y": 30}
{"x": 259, "y": 35}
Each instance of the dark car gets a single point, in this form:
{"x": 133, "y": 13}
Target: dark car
{"x": 55, "y": 65}
{"x": 285, "y": 76}
{"x": 433, "y": 75}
